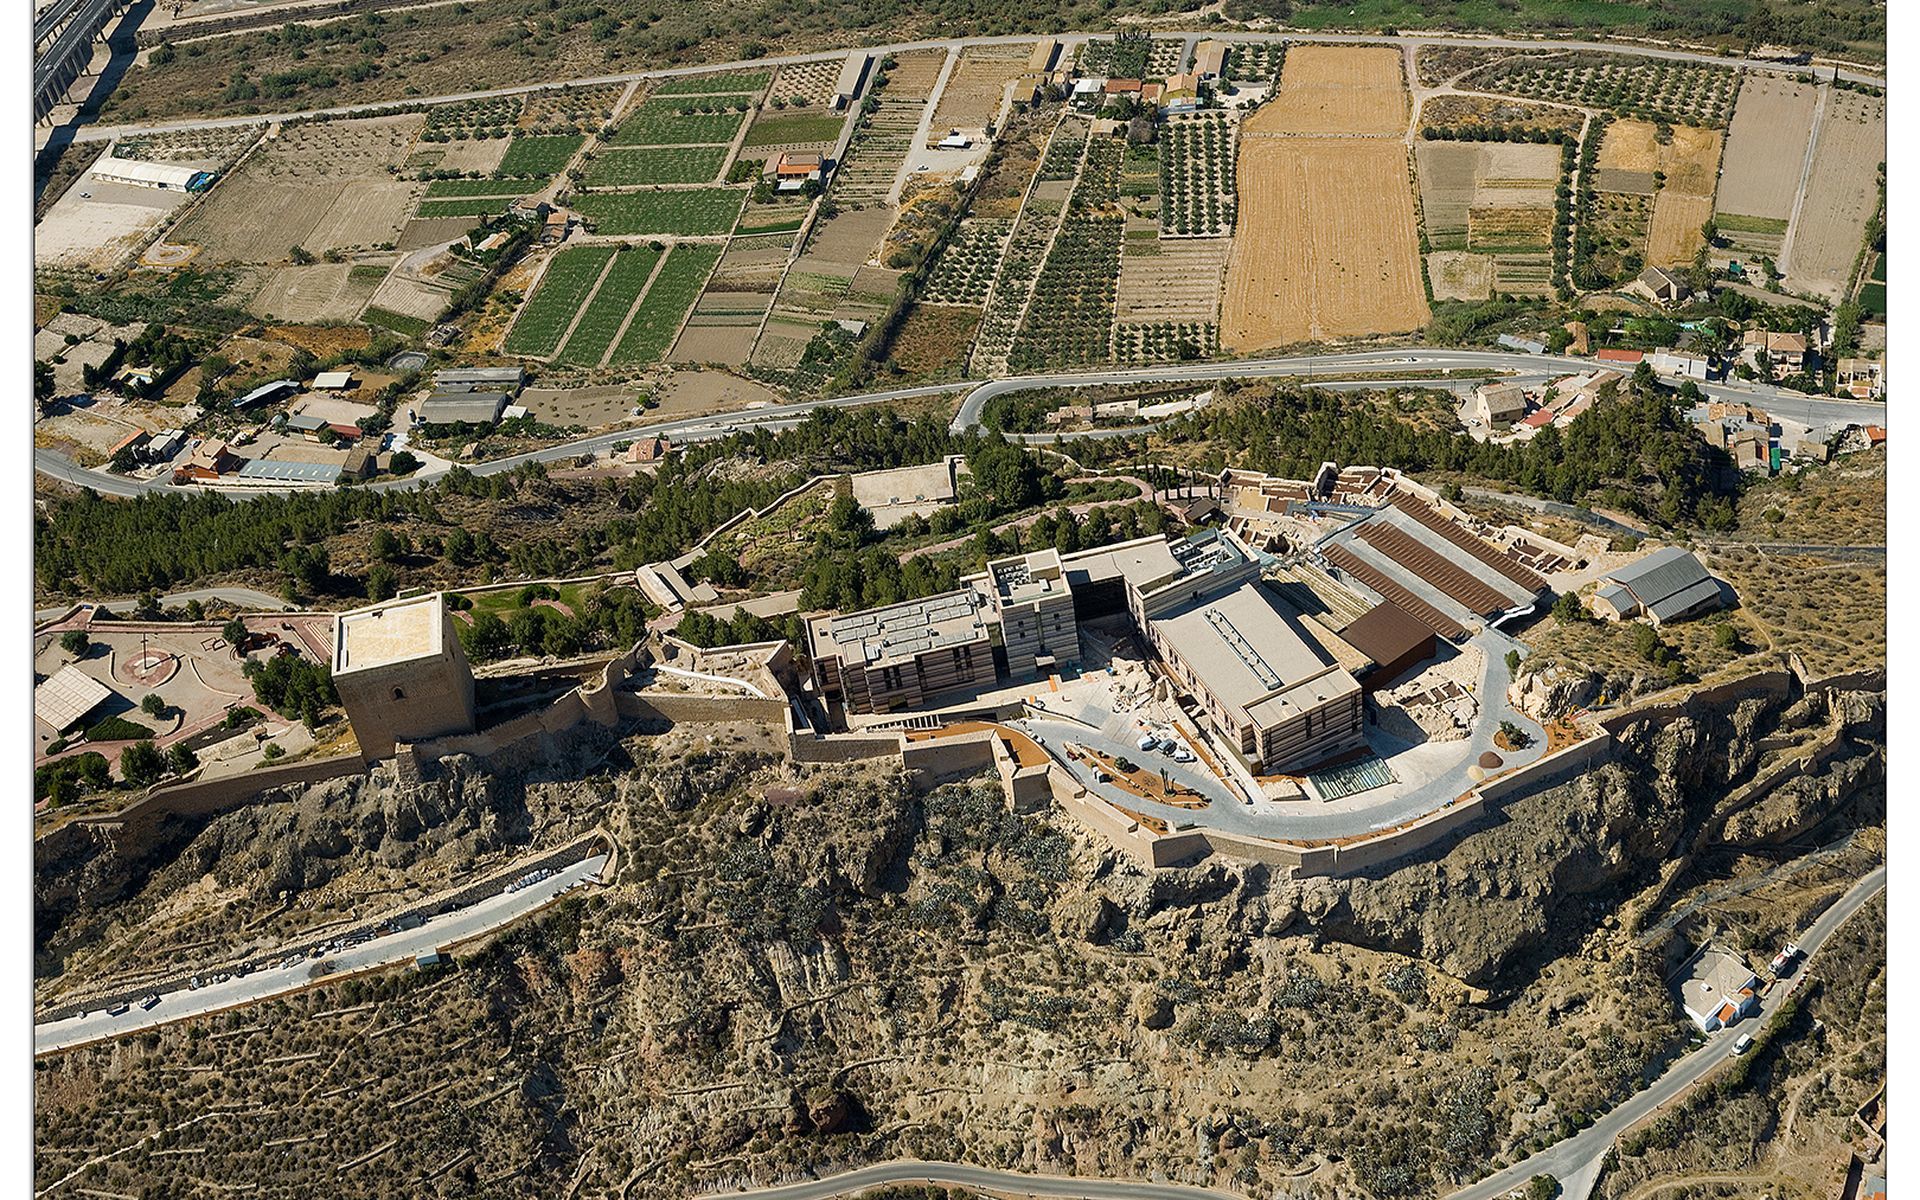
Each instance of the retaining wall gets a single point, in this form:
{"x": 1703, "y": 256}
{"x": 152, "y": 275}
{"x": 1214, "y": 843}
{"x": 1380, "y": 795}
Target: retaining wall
{"x": 207, "y": 797}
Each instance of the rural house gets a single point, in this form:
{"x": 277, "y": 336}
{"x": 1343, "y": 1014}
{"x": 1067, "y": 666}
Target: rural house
{"x": 1667, "y": 585}
{"x": 1786, "y": 352}
{"x": 1660, "y": 286}
{"x": 1498, "y": 405}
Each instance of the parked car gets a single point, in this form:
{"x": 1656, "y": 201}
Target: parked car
{"x": 120, "y": 1010}
{"x": 150, "y": 1001}
{"x": 1184, "y": 755}
{"x": 1743, "y": 1043}
{"x": 1147, "y": 741}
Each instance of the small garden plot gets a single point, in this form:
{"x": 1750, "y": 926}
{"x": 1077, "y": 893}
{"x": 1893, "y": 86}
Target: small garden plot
{"x": 1062, "y": 159}
{"x": 1512, "y": 230}
{"x": 673, "y": 292}
{"x": 684, "y": 122}
{"x": 966, "y": 268}
{"x": 1619, "y": 228}
{"x": 1070, "y": 319}
{"x": 543, "y": 320}
{"x": 489, "y": 118}
{"x": 1255, "y": 62}
{"x": 805, "y": 84}
{"x": 546, "y": 156}
{"x": 1099, "y": 185}
{"x": 1176, "y": 280}
{"x": 669, "y": 164}
{"x": 1681, "y": 93}
{"x": 606, "y": 313}
{"x": 1166, "y": 341}
{"x": 1123, "y": 56}
{"x": 933, "y": 342}
{"x": 971, "y": 99}
{"x": 570, "y": 109}
{"x": 802, "y": 128}
{"x": 1196, "y": 176}
{"x": 741, "y": 82}
{"x": 1457, "y": 275}
{"x": 688, "y": 212}
{"x": 470, "y": 206}
{"x": 1165, "y": 56}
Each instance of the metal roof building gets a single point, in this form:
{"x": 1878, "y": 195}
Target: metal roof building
{"x": 139, "y": 173}
{"x": 470, "y": 379}
{"x": 68, "y": 697}
{"x": 1667, "y": 585}
{"x": 267, "y": 391}
{"x": 470, "y": 408}
{"x": 271, "y": 470}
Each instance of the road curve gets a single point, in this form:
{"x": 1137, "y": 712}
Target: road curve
{"x": 1567, "y": 1159}
{"x": 909, "y": 1170}
{"x": 103, "y": 133}
{"x": 1330, "y": 368}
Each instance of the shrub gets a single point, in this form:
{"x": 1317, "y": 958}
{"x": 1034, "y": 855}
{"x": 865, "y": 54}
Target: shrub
{"x": 141, "y": 763}
{"x": 117, "y": 729}
{"x": 75, "y": 642}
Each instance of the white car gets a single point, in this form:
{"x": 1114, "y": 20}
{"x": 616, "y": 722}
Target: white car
{"x": 1743, "y": 1043}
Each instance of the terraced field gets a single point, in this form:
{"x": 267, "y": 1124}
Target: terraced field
{"x": 1196, "y": 176}
{"x": 544, "y": 318}
{"x": 545, "y": 156}
{"x": 967, "y": 266}
{"x": 606, "y": 313}
{"x": 683, "y": 212}
{"x": 662, "y": 123}
{"x": 660, "y": 314}
{"x": 738, "y": 82}
{"x": 663, "y": 164}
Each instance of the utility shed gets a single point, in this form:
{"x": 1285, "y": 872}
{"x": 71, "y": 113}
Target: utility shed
{"x": 267, "y": 391}
{"x": 1667, "y": 585}
{"x": 473, "y": 379}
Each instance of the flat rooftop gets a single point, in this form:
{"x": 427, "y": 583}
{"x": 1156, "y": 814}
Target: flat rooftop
{"x": 1027, "y": 578}
{"x": 1250, "y": 655}
{"x": 927, "y": 483}
{"x": 1143, "y": 562}
{"x": 900, "y": 631}
{"x": 395, "y": 632}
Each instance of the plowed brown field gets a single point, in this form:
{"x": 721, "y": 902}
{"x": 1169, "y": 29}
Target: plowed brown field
{"x": 1338, "y": 89}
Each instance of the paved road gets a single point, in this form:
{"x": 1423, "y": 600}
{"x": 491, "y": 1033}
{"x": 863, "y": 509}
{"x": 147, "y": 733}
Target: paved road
{"x": 916, "y": 1171}
{"x": 101, "y": 133}
{"x": 240, "y": 597}
{"x": 1334, "y": 368}
{"x": 439, "y": 932}
{"x": 1570, "y": 1158}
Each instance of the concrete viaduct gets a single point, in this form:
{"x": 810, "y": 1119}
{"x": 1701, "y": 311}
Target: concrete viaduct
{"x": 63, "y": 37}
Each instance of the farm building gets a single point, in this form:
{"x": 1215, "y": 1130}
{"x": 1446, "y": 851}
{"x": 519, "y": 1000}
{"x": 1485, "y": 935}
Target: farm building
{"x": 267, "y": 391}
{"x": 1524, "y": 345}
{"x": 1497, "y": 405}
{"x": 165, "y": 177}
{"x": 1210, "y": 62}
{"x": 133, "y": 443}
{"x": 400, "y": 673}
{"x": 853, "y": 75}
{"x": 361, "y": 463}
{"x": 65, "y": 699}
{"x": 474, "y": 379}
{"x": 1621, "y": 358}
{"x": 333, "y": 381}
{"x": 277, "y": 471}
{"x": 1180, "y": 87}
{"x": 794, "y": 169}
{"x": 1041, "y": 60}
{"x": 1676, "y": 364}
{"x": 462, "y": 408}
{"x": 649, "y": 450}
{"x": 166, "y": 444}
{"x": 1667, "y": 585}
{"x": 1660, "y": 286}
{"x": 210, "y": 460}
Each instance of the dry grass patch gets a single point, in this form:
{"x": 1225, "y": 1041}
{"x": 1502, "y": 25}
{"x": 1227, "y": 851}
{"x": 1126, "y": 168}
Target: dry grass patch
{"x": 1458, "y": 275}
{"x": 1337, "y": 89}
{"x": 1767, "y": 145}
{"x": 1842, "y": 194}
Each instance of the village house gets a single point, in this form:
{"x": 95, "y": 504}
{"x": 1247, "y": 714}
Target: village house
{"x": 1677, "y": 364}
{"x": 1660, "y": 286}
{"x": 1497, "y": 405}
{"x": 1786, "y": 353}
{"x": 1861, "y": 378}
{"x": 794, "y": 169}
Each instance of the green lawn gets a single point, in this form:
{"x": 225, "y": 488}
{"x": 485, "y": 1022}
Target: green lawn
{"x": 671, "y": 164}
{"x": 544, "y": 319}
{"x": 540, "y": 155}
{"x": 798, "y": 128}
{"x": 601, "y": 322}
{"x": 659, "y": 123}
{"x": 673, "y": 292}
{"x": 505, "y": 602}
{"x": 712, "y": 85}
{"x": 689, "y": 212}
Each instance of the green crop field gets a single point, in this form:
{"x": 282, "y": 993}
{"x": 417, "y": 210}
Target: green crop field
{"x": 1736, "y": 223}
{"x": 466, "y": 206}
{"x": 672, "y": 164}
{"x": 512, "y": 189}
{"x": 786, "y": 129}
{"x": 544, "y": 319}
{"x": 709, "y": 85}
{"x": 673, "y": 292}
{"x": 400, "y": 323}
{"x": 540, "y": 155}
{"x": 660, "y": 123}
{"x": 603, "y": 317}
{"x": 691, "y": 212}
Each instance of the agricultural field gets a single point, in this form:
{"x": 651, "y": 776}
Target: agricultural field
{"x": 966, "y": 268}
{"x": 932, "y": 343}
{"x": 318, "y": 292}
{"x": 1619, "y": 225}
{"x": 1766, "y": 148}
{"x": 1326, "y": 244}
{"x": 1681, "y": 93}
{"x": 605, "y": 315}
{"x": 971, "y": 100}
{"x": 1255, "y": 63}
{"x": 1672, "y": 178}
{"x": 546, "y": 315}
{"x": 493, "y": 117}
{"x": 721, "y": 329}
{"x": 657, "y": 320}
{"x": 774, "y": 129}
{"x": 465, "y": 206}
{"x": 808, "y": 84}
{"x": 683, "y": 212}
{"x": 1499, "y": 112}
{"x": 480, "y": 156}
{"x": 731, "y": 83}
{"x": 1196, "y": 176}
{"x": 1124, "y": 57}
{"x": 1461, "y": 179}
{"x": 513, "y": 189}
{"x": 1027, "y": 246}
{"x": 1170, "y": 280}
{"x": 681, "y": 122}
{"x": 1842, "y": 195}
{"x": 322, "y": 186}
{"x": 879, "y": 146}
{"x": 664, "y": 164}
{"x": 570, "y": 110}
{"x": 1069, "y": 320}
{"x": 1458, "y": 275}
{"x": 1338, "y": 90}
{"x": 1165, "y": 341}
{"x": 545, "y": 156}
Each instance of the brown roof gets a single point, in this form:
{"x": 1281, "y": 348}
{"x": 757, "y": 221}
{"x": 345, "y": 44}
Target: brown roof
{"x": 1117, "y": 87}
{"x": 1387, "y": 633}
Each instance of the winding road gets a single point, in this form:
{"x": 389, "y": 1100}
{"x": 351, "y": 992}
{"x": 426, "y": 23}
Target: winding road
{"x": 1336, "y": 368}
{"x": 910, "y": 1170}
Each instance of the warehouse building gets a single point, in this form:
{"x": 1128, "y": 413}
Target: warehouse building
{"x": 853, "y": 74}
{"x": 1667, "y": 585}
{"x": 480, "y": 379}
{"x": 400, "y": 674}
{"x": 166, "y": 177}
{"x": 462, "y": 408}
